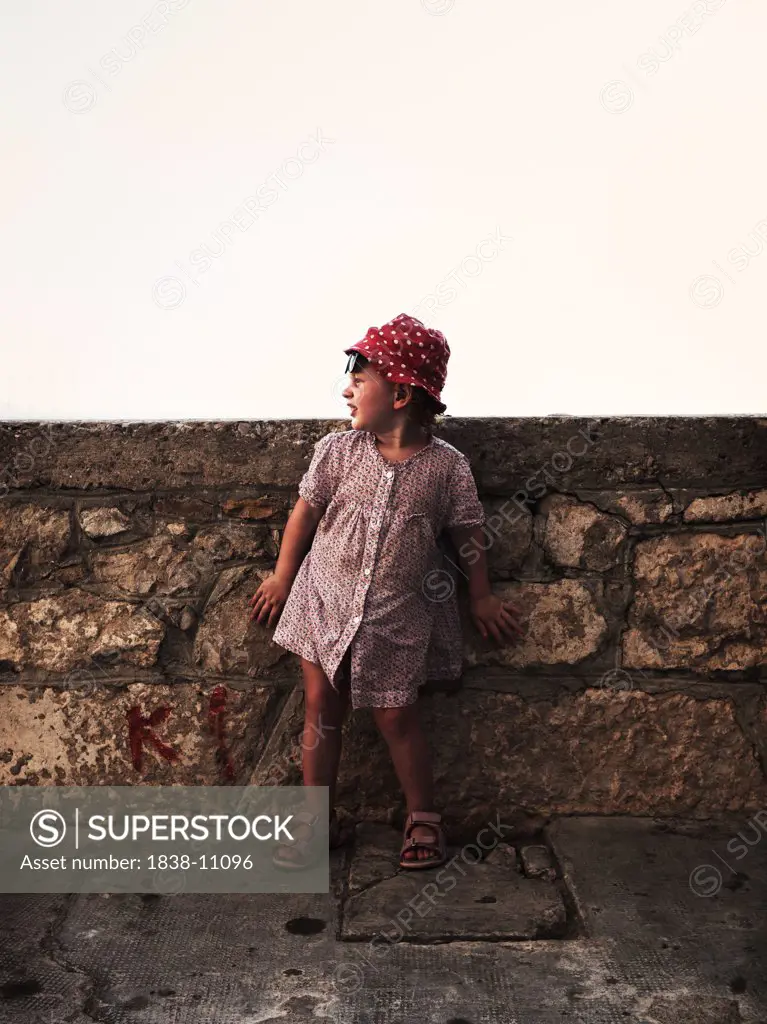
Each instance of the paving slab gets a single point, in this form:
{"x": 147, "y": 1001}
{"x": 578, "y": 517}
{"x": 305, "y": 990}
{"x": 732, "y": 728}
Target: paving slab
{"x": 685, "y": 904}
{"x": 464, "y": 899}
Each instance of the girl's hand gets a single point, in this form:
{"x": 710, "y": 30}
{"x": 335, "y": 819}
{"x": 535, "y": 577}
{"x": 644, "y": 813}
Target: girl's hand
{"x": 269, "y": 599}
{"x": 493, "y": 615}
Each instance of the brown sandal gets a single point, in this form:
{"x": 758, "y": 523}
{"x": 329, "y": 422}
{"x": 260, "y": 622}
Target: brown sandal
{"x": 309, "y": 852}
{"x": 436, "y": 846}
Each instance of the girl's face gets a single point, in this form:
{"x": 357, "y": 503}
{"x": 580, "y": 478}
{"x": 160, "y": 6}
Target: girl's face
{"x": 369, "y": 397}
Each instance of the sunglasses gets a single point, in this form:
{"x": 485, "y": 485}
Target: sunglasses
{"x": 352, "y": 362}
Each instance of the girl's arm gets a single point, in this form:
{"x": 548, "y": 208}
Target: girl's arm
{"x": 489, "y": 612}
{"x": 297, "y": 538}
{"x": 314, "y": 493}
{"x": 470, "y": 545}
{"x": 268, "y": 601}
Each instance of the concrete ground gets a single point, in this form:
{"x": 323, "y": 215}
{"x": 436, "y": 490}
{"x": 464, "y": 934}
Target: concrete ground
{"x": 598, "y": 920}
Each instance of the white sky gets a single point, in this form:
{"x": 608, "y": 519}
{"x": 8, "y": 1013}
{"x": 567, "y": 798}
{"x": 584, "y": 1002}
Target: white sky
{"x": 616, "y": 289}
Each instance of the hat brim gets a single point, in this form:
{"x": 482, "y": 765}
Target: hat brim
{"x": 355, "y": 349}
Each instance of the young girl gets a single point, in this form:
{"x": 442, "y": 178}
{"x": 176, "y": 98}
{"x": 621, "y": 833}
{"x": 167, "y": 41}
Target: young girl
{"x": 372, "y": 610}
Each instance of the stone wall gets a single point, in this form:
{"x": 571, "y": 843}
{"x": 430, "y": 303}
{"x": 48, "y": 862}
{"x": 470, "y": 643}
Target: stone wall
{"x": 636, "y": 548}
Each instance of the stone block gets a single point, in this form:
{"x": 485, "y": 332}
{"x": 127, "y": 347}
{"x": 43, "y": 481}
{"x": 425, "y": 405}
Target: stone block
{"x": 104, "y": 735}
{"x": 67, "y": 629}
{"x": 264, "y": 506}
{"x": 700, "y": 603}
{"x": 648, "y": 506}
{"x": 11, "y": 646}
{"x": 151, "y": 566}
{"x": 537, "y": 862}
{"x": 561, "y": 620}
{"x": 227, "y": 642}
{"x": 726, "y": 507}
{"x": 464, "y": 899}
{"x": 224, "y": 542}
{"x": 507, "y": 537}
{"x": 579, "y": 536}
{"x": 32, "y": 540}
{"x": 115, "y": 521}
{"x": 103, "y": 521}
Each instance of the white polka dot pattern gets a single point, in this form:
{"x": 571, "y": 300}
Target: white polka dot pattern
{"x": 376, "y": 577}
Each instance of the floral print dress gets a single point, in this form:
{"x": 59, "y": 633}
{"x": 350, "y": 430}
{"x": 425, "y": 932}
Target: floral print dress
{"x": 377, "y": 579}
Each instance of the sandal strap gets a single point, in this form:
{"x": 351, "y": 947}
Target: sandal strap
{"x": 423, "y": 818}
{"x": 429, "y": 819}
{"x": 435, "y": 844}
{"x": 410, "y": 842}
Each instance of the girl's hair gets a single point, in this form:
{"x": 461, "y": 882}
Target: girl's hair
{"x": 424, "y": 410}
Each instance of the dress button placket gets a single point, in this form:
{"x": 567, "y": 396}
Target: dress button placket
{"x": 375, "y": 522}
{"x": 379, "y": 508}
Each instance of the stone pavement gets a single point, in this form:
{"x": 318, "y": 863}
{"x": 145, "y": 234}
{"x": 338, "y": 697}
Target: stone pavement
{"x": 596, "y": 921}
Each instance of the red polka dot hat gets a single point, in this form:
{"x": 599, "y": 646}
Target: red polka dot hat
{"x": 406, "y": 351}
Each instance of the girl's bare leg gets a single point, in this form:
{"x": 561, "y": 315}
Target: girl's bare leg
{"x": 324, "y": 714}
{"x": 401, "y": 728}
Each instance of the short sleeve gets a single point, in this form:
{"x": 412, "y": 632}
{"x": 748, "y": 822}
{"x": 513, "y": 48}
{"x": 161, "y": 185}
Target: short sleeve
{"x": 318, "y": 482}
{"x": 463, "y": 505}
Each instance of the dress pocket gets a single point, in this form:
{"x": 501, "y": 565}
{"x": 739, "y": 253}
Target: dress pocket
{"x": 420, "y": 521}
{"x": 411, "y": 546}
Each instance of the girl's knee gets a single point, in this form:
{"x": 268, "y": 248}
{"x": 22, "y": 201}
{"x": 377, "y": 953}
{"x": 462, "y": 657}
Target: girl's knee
{"x": 395, "y": 721}
{"x": 321, "y": 699}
